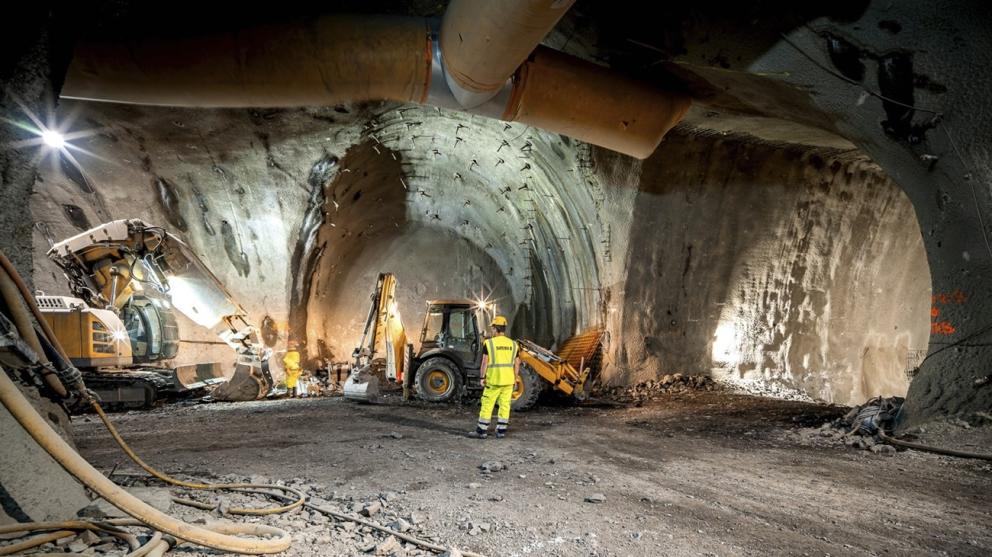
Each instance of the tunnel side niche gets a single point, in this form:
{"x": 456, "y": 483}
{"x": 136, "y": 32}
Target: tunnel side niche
{"x": 786, "y": 270}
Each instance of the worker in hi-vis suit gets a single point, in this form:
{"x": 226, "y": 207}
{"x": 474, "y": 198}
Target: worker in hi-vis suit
{"x": 500, "y": 367}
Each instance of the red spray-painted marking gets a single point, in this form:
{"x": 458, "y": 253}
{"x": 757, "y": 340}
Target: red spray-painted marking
{"x": 957, "y": 297}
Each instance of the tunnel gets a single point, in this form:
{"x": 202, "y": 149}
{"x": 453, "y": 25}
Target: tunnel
{"x": 741, "y": 237}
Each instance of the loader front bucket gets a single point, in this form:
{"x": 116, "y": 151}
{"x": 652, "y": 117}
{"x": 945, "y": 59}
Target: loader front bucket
{"x": 362, "y": 385}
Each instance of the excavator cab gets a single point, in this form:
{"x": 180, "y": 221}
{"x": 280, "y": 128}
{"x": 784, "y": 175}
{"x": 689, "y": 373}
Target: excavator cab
{"x": 450, "y": 353}
{"x": 151, "y": 327}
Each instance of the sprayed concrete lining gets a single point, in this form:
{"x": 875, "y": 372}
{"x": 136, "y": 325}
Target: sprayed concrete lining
{"x": 812, "y": 252}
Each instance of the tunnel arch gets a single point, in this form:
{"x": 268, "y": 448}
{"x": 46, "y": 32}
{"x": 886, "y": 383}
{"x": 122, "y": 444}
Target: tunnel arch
{"x": 497, "y": 190}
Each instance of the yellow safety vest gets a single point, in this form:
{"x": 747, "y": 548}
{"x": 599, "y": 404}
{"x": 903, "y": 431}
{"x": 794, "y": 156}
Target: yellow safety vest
{"x": 502, "y": 354}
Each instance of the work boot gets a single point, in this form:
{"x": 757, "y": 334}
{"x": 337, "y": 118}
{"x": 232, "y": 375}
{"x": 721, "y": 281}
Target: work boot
{"x": 500, "y": 435}
{"x": 478, "y": 434}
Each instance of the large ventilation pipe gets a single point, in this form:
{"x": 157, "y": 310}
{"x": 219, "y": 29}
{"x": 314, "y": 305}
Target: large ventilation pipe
{"x": 484, "y": 42}
{"x": 326, "y": 61}
{"x": 340, "y": 59}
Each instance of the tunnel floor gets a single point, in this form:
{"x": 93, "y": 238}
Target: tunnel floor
{"x": 701, "y": 473}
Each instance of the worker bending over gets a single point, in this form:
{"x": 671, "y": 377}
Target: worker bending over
{"x": 498, "y": 374}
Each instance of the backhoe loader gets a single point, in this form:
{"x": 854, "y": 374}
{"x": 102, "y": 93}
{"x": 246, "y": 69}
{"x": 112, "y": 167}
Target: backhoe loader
{"x": 127, "y": 277}
{"x": 450, "y": 354}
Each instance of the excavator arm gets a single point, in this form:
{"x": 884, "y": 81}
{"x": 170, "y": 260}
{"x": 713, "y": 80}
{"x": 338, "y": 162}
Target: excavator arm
{"x": 109, "y": 265}
{"x": 382, "y": 324}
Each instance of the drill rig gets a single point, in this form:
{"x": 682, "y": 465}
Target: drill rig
{"x": 127, "y": 277}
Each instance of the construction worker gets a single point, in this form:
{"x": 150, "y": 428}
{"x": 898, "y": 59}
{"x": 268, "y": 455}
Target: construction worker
{"x": 291, "y": 362}
{"x": 499, "y": 371}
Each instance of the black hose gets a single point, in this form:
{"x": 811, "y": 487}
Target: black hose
{"x": 932, "y": 449}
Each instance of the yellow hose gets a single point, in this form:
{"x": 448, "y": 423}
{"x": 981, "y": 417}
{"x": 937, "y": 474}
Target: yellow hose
{"x": 219, "y": 536}
{"x": 29, "y": 301}
{"x": 300, "y": 497}
{"x": 35, "y": 541}
{"x": 10, "y": 286}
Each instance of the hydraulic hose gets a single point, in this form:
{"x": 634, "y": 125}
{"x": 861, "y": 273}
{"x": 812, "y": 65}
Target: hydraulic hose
{"x": 932, "y": 449}
{"x": 28, "y": 300}
{"x": 35, "y": 541}
{"x": 14, "y": 298}
{"x": 219, "y": 536}
{"x": 65, "y": 529}
{"x": 19, "y": 314}
{"x": 299, "y": 500}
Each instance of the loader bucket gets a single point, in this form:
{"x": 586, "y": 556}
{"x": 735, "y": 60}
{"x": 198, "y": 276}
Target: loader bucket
{"x": 247, "y": 383}
{"x": 362, "y": 385}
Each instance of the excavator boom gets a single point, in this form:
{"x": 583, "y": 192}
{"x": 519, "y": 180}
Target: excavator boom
{"x": 383, "y": 323}
{"x": 136, "y": 270}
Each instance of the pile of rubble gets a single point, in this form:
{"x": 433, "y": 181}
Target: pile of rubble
{"x": 859, "y": 428}
{"x": 655, "y": 389}
{"x": 314, "y": 533}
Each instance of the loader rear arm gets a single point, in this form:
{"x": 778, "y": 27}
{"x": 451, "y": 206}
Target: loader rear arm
{"x": 556, "y": 371}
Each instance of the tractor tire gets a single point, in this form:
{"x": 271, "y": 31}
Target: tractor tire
{"x": 438, "y": 380}
{"x": 527, "y": 389}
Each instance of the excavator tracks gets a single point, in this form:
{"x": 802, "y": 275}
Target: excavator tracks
{"x": 138, "y": 389}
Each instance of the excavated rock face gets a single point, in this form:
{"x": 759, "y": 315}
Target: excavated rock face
{"x": 30, "y": 60}
{"x": 776, "y": 267}
{"x": 929, "y": 131}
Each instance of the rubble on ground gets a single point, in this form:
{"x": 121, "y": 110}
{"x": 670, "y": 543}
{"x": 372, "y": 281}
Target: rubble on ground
{"x": 313, "y": 532}
{"x": 654, "y": 389}
{"x": 859, "y": 428}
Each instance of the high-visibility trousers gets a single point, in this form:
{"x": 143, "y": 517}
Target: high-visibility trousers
{"x": 491, "y": 396}
{"x": 291, "y": 361}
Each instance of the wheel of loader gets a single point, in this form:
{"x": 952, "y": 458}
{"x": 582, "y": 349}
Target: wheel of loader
{"x": 527, "y": 388}
{"x": 438, "y": 380}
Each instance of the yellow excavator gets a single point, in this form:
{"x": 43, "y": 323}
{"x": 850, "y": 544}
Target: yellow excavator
{"x": 127, "y": 278}
{"x": 450, "y": 354}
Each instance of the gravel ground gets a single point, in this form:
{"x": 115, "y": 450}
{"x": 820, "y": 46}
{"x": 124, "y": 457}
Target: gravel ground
{"x": 691, "y": 473}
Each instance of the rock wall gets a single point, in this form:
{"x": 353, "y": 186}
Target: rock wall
{"x": 33, "y": 487}
{"x": 907, "y": 82}
{"x": 796, "y": 267}
{"x": 773, "y": 266}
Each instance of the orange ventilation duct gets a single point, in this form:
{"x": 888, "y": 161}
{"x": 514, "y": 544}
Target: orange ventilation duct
{"x": 484, "y": 42}
{"x": 607, "y": 109}
{"x": 330, "y": 60}
{"x": 341, "y": 59}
